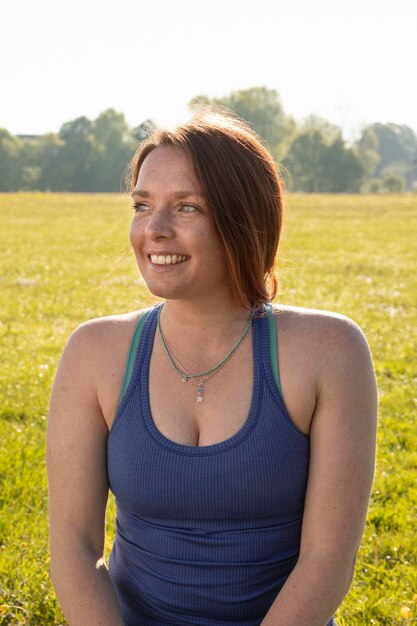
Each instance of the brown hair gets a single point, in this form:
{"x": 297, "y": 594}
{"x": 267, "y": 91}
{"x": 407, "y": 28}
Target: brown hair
{"x": 245, "y": 195}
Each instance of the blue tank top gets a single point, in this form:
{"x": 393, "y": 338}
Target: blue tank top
{"x": 205, "y": 535}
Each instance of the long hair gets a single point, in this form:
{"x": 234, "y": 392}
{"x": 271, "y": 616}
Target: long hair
{"x": 244, "y": 191}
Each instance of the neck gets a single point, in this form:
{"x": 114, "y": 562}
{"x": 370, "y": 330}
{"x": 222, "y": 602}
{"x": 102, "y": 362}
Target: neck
{"x": 207, "y": 315}
{"x": 211, "y": 322}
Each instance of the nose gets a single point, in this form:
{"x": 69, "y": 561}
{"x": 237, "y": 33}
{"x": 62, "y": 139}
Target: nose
{"x": 159, "y": 225}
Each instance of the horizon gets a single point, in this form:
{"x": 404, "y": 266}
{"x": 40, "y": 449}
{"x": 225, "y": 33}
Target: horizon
{"x": 172, "y": 122}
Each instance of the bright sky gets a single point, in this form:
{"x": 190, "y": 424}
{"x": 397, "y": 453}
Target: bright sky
{"x": 352, "y": 62}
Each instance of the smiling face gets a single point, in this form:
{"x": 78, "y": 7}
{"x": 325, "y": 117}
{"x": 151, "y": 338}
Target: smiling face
{"x": 177, "y": 251}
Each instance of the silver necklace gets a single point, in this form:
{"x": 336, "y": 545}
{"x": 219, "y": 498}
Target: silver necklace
{"x": 185, "y": 375}
{"x": 200, "y": 382}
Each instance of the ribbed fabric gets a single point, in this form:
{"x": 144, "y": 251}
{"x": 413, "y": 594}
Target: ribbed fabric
{"x": 205, "y": 535}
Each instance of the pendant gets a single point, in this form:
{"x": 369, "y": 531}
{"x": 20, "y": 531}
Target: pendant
{"x": 184, "y": 379}
{"x": 200, "y": 390}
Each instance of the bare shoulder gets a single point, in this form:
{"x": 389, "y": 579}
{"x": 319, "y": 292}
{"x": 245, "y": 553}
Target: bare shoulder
{"x": 317, "y": 317}
{"x": 99, "y": 335}
{"x": 325, "y": 328}
{"x": 110, "y": 326}
{"x": 96, "y": 351}
{"x": 90, "y": 372}
{"x": 331, "y": 342}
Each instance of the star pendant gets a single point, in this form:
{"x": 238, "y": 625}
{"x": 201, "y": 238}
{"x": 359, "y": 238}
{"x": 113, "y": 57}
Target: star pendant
{"x": 200, "y": 398}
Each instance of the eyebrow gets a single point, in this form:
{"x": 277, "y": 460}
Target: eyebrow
{"x": 179, "y": 195}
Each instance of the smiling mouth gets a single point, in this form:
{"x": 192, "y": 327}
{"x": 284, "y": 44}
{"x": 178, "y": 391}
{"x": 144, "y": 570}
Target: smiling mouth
{"x": 168, "y": 259}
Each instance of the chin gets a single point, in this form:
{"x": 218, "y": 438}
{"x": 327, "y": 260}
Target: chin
{"x": 166, "y": 292}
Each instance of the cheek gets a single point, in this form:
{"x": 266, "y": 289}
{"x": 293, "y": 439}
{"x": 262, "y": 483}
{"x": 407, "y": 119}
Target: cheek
{"x": 134, "y": 235}
{"x": 216, "y": 246}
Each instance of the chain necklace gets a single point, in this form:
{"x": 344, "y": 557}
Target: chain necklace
{"x": 185, "y": 376}
{"x": 200, "y": 382}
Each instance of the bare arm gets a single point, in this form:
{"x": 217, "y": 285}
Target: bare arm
{"x": 78, "y": 488}
{"x": 342, "y": 462}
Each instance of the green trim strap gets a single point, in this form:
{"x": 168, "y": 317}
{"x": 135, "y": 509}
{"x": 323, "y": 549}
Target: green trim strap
{"x": 133, "y": 351}
{"x": 273, "y": 346}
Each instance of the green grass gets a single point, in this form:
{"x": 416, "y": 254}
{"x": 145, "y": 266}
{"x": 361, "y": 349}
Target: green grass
{"x": 351, "y": 254}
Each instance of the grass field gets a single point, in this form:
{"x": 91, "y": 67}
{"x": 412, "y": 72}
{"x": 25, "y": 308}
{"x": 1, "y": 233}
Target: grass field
{"x": 352, "y": 254}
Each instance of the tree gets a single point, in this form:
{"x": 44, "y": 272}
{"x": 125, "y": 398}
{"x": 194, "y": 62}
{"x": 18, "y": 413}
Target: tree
{"x": 76, "y": 156}
{"x": 10, "y": 147}
{"x": 262, "y": 108}
{"x": 315, "y": 166}
{"x": 328, "y": 131}
{"x": 304, "y": 161}
{"x": 367, "y": 150}
{"x": 393, "y": 183}
{"x": 29, "y": 163}
{"x": 342, "y": 169}
{"x": 142, "y": 132}
{"x": 52, "y": 162}
{"x": 372, "y": 185}
{"x": 397, "y": 150}
{"x": 114, "y": 146}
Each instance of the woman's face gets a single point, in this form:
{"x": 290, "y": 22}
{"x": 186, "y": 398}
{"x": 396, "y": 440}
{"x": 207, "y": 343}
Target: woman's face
{"x": 177, "y": 251}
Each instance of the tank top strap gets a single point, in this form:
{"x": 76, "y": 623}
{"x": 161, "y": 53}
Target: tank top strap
{"x": 273, "y": 348}
{"x": 273, "y": 345}
{"x": 134, "y": 345}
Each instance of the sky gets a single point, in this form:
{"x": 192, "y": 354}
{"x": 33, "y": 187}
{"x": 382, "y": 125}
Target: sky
{"x": 352, "y": 63}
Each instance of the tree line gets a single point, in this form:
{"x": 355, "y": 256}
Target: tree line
{"x": 92, "y": 155}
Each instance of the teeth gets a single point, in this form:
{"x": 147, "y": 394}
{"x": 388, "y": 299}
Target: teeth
{"x": 168, "y": 259}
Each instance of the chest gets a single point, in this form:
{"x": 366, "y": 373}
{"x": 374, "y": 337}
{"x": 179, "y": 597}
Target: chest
{"x": 205, "y": 410}
{"x": 242, "y": 463}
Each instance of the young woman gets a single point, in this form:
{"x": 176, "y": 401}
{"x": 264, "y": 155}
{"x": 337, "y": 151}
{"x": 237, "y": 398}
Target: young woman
{"x": 237, "y": 436}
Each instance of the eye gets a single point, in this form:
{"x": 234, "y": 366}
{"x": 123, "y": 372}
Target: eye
{"x": 140, "y": 207}
{"x": 189, "y": 208}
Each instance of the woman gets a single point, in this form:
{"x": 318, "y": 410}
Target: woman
{"x": 238, "y": 437}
